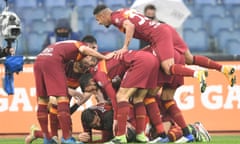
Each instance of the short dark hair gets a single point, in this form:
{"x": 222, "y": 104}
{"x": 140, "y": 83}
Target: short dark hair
{"x": 89, "y": 39}
{"x": 150, "y": 6}
{"x": 84, "y": 80}
{"x": 99, "y": 8}
{"x": 87, "y": 117}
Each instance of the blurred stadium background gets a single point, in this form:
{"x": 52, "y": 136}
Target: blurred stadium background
{"x": 213, "y": 29}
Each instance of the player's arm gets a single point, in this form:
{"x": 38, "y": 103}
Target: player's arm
{"x": 129, "y": 31}
{"x": 81, "y": 99}
{"x": 88, "y": 51}
{"x": 106, "y": 85}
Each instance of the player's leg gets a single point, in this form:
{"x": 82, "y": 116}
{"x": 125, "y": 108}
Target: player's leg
{"x": 140, "y": 114}
{"x": 203, "y": 61}
{"x": 173, "y": 110}
{"x": 154, "y": 116}
{"x": 181, "y": 70}
{"x": 123, "y": 108}
{"x": 165, "y": 51}
{"x": 42, "y": 115}
{"x": 54, "y": 123}
{"x": 64, "y": 118}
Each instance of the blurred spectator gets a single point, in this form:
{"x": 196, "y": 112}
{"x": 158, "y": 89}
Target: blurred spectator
{"x": 62, "y": 32}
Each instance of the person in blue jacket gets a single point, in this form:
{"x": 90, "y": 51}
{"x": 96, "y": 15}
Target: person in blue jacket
{"x": 62, "y": 31}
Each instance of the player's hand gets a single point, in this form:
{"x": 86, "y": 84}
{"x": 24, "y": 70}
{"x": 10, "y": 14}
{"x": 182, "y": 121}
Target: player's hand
{"x": 78, "y": 99}
{"x": 84, "y": 137}
{"x": 109, "y": 55}
{"x": 118, "y": 54}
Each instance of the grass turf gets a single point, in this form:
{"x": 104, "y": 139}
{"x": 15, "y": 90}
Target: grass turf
{"x": 215, "y": 140}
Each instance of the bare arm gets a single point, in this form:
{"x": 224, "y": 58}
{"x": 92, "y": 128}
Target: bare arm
{"x": 81, "y": 98}
{"x": 129, "y": 30}
{"x": 88, "y": 51}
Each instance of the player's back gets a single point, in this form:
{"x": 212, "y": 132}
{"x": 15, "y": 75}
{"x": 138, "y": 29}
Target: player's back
{"x": 144, "y": 27}
{"x": 63, "y": 50}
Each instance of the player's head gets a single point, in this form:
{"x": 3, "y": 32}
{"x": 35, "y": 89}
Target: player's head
{"x": 87, "y": 83}
{"x": 150, "y": 11}
{"x": 103, "y": 15}
{"x": 91, "y": 41}
{"x": 90, "y": 118}
{"x": 85, "y": 64}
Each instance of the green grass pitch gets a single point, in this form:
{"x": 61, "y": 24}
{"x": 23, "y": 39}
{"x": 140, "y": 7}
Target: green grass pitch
{"x": 215, "y": 140}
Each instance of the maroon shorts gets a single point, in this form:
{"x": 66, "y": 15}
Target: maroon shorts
{"x": 165, "y": 41}
{"x": 50, "y": 77}
{"x": 142, "y": 71}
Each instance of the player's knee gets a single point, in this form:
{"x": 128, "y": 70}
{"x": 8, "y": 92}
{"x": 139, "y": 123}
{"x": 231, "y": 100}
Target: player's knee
{"x": 166, "y": 66}
{"x": 167, "y": 94}
{"x": 137, "y": 100}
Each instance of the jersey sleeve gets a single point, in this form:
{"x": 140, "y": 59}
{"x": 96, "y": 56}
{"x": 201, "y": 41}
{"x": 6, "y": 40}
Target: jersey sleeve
{"x": 118, "y": 18}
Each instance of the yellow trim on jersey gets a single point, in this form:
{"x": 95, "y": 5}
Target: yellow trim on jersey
{"x": 102, "y": 66}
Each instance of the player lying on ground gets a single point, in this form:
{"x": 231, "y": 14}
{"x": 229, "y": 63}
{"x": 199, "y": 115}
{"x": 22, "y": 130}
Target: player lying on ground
{"x": 101, "y": 118}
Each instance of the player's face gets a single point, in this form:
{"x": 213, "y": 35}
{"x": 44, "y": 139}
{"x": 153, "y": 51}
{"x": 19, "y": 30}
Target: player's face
{"x": 102, "y": 19}
{"x": 81, "y": 67}
{"x": 96, "y": 122}
{"x": 93, "y": 46}
{"x": 90, "y": 61}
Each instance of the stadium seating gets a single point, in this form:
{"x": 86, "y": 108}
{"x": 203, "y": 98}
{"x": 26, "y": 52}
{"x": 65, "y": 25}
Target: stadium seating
{"x": 26, "y": 3}
{"x": 29, "y": 14}
{"x": 224, "y": 36}
{"x": 107, "y": 41}
{"x": 231, "y": 2}
{"x": 217, "y": 19}
{"x": 115, "y": 4}
{"x": 194, "y": 23}
{"x": 86, "y": 13}
{"x": 35, "y": 42}
{"x": 82, "y": 28}
{"x": 197, "y": 41}
{"x": 209, "y": 10}
{"x": 235, "y": 11}
{"x": 217, "y": 23}
{"x": 40, "y": 26}
{"x": 83, "y": 3}
{"x": 96, "y": 27}
{"x": 212, "y": 2}
{"x": 233, "y": 47}
{"x": 54, "y": 3}
{"x": 60, "y": 12}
